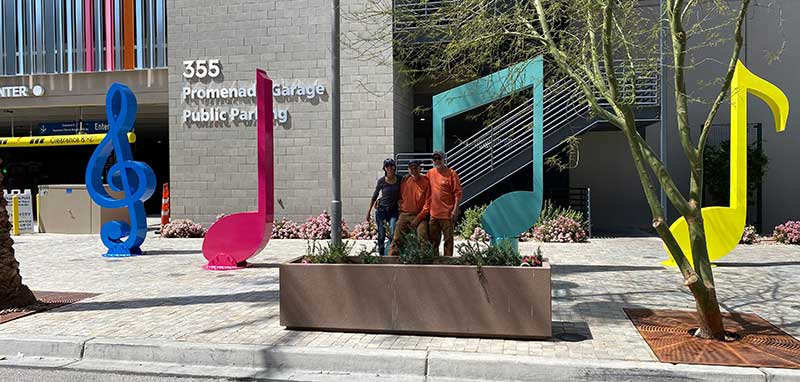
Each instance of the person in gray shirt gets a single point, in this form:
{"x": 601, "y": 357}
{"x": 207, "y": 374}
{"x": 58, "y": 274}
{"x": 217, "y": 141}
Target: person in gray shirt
{"x": 387, "y": 208}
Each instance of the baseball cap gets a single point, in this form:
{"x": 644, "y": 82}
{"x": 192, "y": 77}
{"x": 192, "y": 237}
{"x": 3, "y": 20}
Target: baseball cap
{"x": 438, "y": 153}
{"x": 415, "y": 162}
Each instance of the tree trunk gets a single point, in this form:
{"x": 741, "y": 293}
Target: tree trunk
{"x": 704, "y": 291}
{"x": 699, "y": 280}
{"x": 13, "y": 294}
{"x": 708, "y": 314}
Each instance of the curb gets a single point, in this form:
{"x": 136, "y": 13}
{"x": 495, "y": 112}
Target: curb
{"x": 259, "y": 361}
{"x": 258, "y": 357}
{"x": 43, "y": 346}
{"x": 458, "y": 366}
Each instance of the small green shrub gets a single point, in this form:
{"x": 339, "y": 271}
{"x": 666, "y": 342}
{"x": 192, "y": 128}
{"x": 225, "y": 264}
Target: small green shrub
{"x": 481, "y": 254}
{"x": 551, "y": 212}
{"x": 330, "y": 253}
{"x": 415, "y": 251}
{"x": 558, "y": 224}
{"x": 471, "y": 220}
{"x": 369, "y": 256}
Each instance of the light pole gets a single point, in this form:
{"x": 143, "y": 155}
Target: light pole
{"x": 336, "y": 127}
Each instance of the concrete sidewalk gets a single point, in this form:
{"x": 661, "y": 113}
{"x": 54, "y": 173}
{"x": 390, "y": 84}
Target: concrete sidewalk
{"x": 165, "y": 298}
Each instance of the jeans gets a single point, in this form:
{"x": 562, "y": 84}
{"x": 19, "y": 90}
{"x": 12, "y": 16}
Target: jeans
{"x": 383, "y": 214}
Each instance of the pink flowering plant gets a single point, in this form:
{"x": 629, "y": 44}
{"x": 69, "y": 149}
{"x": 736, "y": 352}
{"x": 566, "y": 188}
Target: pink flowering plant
{"x": 286, "y": 229}
{"x": 749, "y": 236}
{"x": 365, "y": 231}
{"x": 787, "y": 233}
{"x": 534, "y": 260}
{"x": 527, "y": 235}
{"x": 562, "y": 229}
{"x": 479, "y": 235}
{"x": 182, "y": 228}
{"x": 319, "y": 227}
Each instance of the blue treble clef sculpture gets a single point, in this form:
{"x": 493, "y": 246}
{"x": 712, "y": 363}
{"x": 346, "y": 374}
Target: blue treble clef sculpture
{"x": 135, "y": 179}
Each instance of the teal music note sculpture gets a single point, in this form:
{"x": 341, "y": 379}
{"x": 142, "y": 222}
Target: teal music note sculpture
{"x": 135, "y": 180}
{"x": 513, "y": 213}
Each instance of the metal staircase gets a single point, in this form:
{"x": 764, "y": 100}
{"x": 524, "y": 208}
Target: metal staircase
{"x": 504, "y": 146}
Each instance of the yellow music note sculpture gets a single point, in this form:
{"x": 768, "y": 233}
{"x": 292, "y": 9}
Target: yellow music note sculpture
{"x": 724, "y": 225}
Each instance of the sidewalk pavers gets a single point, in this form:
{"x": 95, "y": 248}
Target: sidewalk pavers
{"x": 166, "y": 295}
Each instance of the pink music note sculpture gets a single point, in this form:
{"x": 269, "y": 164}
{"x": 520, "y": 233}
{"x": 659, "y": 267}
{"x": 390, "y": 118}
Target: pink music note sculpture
{"x": 237, "y": 237}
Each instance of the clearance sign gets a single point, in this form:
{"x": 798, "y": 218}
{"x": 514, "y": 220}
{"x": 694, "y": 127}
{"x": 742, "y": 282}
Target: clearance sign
{"x": 57, "y": 140}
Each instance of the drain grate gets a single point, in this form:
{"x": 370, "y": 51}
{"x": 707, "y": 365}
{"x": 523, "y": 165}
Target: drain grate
{"x": 47, "y": 300}
{"x": 761, "y": 344}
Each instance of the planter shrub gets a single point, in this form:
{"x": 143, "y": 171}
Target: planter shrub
{"x": 471, "y": 220}
{"x": 329, "y": 253}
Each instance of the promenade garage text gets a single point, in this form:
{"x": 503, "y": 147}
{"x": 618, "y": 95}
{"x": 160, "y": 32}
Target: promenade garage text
{"x": 214, "y": 114}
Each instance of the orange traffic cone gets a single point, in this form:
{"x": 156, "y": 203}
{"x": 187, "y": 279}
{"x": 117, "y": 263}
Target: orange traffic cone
{"x": 165, "y": 205}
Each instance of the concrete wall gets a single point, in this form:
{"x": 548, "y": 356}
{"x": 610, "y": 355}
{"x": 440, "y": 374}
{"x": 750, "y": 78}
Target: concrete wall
{"x": 618, "y": 203}
{"x": 403, "y": 115}
{"x": 213, "y": 169}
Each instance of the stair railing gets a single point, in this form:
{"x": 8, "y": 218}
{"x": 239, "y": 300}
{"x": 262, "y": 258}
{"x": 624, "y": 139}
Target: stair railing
{"x": 508, "y": 135}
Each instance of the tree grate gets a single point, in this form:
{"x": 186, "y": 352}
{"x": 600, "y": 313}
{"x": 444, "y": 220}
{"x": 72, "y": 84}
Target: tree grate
{"x": 46, "y": 301}
{"x": 760, "y": 343}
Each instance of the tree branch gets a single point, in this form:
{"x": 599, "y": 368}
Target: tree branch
{"x": 560, "y": 58}
{"x": 595, "y": 62}
{"x": 608, "y": 56}
{"x": 664, "y": 179}
{"x": 701, "y": 144}
{"x": 681, "y": 103}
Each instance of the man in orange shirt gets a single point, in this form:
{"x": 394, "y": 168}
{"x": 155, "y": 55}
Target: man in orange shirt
{"x": 415, "y": 196}
{"x": 445, "y": 197}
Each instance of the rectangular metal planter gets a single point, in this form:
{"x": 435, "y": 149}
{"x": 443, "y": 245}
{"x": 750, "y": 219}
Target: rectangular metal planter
{"x": 508, "y": 302}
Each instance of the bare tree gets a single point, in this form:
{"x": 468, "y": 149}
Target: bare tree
{"x": 13, "y": 294}
{"x": 603, "y": 46}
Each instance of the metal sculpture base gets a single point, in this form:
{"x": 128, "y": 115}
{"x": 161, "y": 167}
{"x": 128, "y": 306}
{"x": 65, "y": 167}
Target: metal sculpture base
{"x": 123, "y": 252}
{"x": 225, "y": 263}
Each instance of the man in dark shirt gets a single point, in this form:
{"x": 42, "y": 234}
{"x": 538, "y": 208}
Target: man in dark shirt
{"x": 388, "y": 187}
